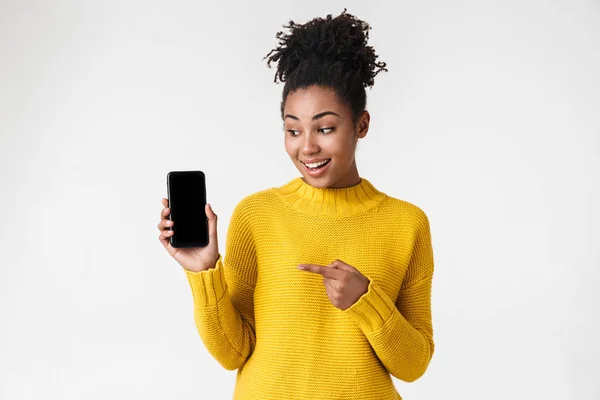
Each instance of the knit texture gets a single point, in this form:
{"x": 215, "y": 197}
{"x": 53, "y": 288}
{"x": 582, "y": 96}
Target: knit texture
{"x": 257, "y": 313}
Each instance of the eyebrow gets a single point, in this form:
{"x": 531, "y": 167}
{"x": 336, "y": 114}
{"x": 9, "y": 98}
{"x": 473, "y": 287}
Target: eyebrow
{"x": 317, "y": 116}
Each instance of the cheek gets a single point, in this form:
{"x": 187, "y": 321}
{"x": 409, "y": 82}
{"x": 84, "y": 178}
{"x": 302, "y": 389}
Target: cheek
{"x": 289, "y": 149}
{"x": 342, "y": 151}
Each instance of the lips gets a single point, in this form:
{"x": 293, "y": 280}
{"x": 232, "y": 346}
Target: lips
{"x": 317, "y": 171}
{"x": 313, "y": 161}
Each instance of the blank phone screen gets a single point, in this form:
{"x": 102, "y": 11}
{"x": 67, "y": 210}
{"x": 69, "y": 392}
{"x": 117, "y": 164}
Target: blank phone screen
{"x": 187, "y": 199}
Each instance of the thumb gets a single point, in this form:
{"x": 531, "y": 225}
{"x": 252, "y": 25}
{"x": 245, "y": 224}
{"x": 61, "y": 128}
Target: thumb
{"x": 339, "y": 264}
{"x": 212, "y": 224}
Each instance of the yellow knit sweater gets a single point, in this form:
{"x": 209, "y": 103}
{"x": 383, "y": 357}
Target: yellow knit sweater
{"x": 257, "y": 313}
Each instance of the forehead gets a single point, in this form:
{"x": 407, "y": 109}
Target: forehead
{"x": 304, "y": 103}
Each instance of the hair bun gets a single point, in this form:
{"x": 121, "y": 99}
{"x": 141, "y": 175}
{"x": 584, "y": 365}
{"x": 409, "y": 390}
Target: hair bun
{"x": 342, "y": 40}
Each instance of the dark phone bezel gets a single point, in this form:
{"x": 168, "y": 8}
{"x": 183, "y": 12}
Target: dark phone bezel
{"x": 173, "y": 239}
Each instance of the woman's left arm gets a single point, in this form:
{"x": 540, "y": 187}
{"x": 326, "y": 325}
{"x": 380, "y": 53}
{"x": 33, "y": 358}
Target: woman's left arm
{"x": 401, "y": 331}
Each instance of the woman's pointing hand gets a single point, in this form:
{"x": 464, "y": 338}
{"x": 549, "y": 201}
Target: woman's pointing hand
{"x": 344, "y": 283}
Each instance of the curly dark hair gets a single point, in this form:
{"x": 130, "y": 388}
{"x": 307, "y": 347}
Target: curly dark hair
{"x": 330, "y": 52}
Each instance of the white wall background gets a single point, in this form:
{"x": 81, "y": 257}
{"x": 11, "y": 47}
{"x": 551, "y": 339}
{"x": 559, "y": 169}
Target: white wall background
{"x": 488, "y": 119}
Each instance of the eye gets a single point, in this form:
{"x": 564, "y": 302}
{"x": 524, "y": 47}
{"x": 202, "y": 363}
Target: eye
{"x": 292, "y": 131}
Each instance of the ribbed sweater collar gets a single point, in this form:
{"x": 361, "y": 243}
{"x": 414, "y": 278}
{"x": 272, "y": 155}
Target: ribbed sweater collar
{"x": 330, "y": 202}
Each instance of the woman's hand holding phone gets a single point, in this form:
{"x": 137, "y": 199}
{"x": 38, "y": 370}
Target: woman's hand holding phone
{"x": 193, "y": 259}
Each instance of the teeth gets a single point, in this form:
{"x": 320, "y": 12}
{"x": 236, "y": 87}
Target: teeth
{"x": 315, "y": 165}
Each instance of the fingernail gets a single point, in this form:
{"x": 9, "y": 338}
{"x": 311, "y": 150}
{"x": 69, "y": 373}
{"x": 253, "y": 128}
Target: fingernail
{"x": 301, "y": 267}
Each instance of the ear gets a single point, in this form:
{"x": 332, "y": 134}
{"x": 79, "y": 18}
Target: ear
{"x": 362, "y": 126}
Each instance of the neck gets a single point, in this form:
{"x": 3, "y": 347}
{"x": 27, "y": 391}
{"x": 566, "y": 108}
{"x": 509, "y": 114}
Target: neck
{"x": 350, "y": 179}
{"x": 332, "y": 202}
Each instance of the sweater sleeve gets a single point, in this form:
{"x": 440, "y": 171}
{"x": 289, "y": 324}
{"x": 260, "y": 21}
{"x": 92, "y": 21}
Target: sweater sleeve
{"x": 224, "y": 297}
{"x": 401, "y": 331}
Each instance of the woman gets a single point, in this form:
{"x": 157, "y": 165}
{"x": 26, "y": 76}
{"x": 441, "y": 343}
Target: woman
{"x": 325, "y": 289}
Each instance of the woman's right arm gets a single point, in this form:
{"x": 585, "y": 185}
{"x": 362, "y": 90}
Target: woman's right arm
{"x": 222, "y": 289}
{"x": 224, "y": 296}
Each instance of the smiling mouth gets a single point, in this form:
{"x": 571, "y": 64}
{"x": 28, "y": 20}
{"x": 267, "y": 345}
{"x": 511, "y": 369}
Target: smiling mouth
{"x": 317, "y": 169}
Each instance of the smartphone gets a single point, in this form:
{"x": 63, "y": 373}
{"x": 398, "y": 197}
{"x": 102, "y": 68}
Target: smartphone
{"x": 186, "y": 192}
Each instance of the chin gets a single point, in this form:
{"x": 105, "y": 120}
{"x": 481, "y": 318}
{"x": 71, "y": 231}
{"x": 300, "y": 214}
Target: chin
{"x": 317, "y": 182}
{"x": 320, "y": 182}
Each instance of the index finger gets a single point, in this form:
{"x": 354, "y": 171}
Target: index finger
{"x": 327, "y": 272}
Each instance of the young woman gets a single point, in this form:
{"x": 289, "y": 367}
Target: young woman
{"x": 325, "y": 289}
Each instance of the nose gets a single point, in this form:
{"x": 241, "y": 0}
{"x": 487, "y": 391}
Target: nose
{"x": 310, "y": 145}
